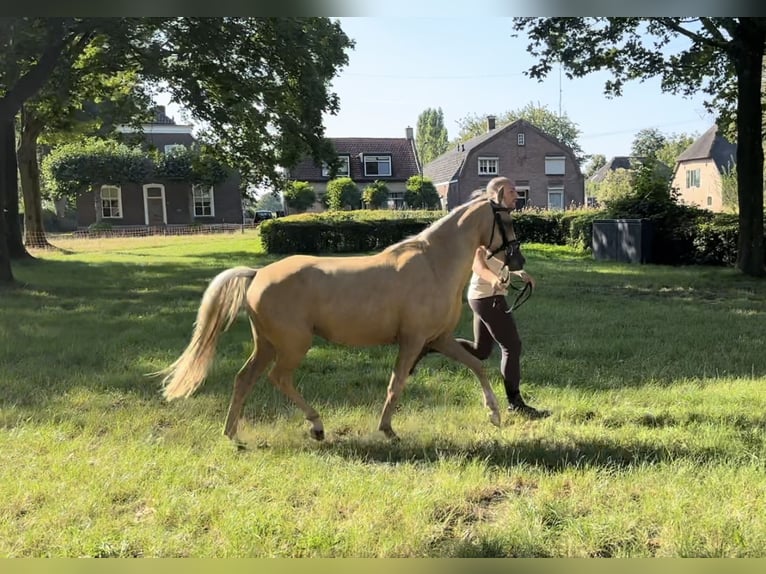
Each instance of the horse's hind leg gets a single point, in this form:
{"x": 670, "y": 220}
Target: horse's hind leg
{"x": 262, "y": 356}
{"x": 281, "y": 376}
{"x": 449, "y": 347}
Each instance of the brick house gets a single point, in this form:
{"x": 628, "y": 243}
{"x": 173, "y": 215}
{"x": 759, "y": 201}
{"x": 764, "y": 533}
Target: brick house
{"x": 699, "y": 170}
{"x": 545, "y": 171}
{"x": 390, "y": 160}
{"x": 159, "y": 203}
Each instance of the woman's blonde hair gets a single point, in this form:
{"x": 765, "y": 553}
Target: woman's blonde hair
{"x": 494, "y": 190}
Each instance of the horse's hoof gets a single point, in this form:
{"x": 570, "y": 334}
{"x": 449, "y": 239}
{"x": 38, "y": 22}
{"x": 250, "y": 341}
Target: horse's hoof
{"x": 317, "y": 434}
{"x": 494, "y": 418}
{"x": 390, "y": 434}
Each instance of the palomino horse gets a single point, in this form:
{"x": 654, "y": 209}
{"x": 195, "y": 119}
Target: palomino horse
{"x": 409, "y": 294}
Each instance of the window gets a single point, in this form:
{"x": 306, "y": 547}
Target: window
{"x": 520, "y": 139}
{"x": 169, "y": 148}
{"x": 555, "y": 198}
{"x": 377, "y": 165}
{"x": 709, "y": 200}
{"x": 554, "y": 165}
{"x": 487, "y": 166}
{"x": 343, "y": 168}
{"x": 111, "y": 202}
{"x": 692, "y": 178}
{"x": 203, "y": 201}
{"x": 523, "y": 193}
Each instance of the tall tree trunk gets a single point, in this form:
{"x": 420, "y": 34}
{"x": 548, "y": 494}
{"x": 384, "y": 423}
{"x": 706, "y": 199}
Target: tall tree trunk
{"x": 10, "y": 191}
{"x": 29, "y": 173}
{"x": 6, "y": 274}
{"x": 747, "y": 54}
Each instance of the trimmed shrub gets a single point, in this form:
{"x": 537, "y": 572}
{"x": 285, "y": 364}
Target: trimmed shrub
{"x": 342, "y": 232}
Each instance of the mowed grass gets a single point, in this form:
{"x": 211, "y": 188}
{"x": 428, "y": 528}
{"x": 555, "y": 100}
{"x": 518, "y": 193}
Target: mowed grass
{"x": 654, "y": 375}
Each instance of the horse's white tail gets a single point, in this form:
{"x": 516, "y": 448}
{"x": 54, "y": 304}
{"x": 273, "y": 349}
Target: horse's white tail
{"x": 220, "y": 305}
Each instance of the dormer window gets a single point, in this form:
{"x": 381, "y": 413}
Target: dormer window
{"x": 377, "y": 165}
{"x": 343, "y": 167}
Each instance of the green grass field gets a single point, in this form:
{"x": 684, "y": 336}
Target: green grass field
{"x": 655, "y": 377}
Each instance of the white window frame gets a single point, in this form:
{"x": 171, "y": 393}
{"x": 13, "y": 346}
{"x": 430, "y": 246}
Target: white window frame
{"x": 555, "y": 190}
{"x": 523, "y": 192}
{"x": 119, "y": 200}
{"x": 343, "y": 159}
{"x": 555, "y": 165}
{"x": 378, "y": 159}
{"x": 171, "y": 147}
{"x": 693, "y": 177}
{"x": 521, "y": 139}
{"x": 146, "y": 203}
{"x": 202, "y": 188}
{"x": 487, "y": 165}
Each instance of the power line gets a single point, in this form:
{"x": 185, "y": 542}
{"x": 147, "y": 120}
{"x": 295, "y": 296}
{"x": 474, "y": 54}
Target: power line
{"x": 401, "y": 77}
{"x": 630, "y": 130}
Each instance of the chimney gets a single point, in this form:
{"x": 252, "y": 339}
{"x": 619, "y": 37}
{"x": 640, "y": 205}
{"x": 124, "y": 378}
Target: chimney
{"x": 408, "y": 132}
{"x": 490, "y": 123}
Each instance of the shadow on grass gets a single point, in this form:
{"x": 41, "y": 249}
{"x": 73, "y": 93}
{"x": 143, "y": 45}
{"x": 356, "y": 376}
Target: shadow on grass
{"x": 502, "y": 453}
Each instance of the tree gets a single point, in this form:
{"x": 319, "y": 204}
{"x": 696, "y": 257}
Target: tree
{"x": 421, "y": 193}
{"x": 724, "y": 60}
{"x": 431, "y": 137}
{"x": 271, "y": 202}
{"x": 648, "y": 142}
{"x": 549, "y": 122}
{"x": 597, "y": 161}
{"x": 375, "y": 195}
{"x": 675, "y": 145}
{"x": 618, "y": 183}
{"x": 299, "y": 195}
{"x": 262, "y": 100}
{"x": 30, "y": 49}
{"x": 86, "y": 98}
{"x": 343, "y": 193}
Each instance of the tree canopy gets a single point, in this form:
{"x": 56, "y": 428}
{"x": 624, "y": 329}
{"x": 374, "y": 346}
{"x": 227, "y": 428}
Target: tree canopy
{"x": 259, "y": 87}
{"x": 722, "y": 58}
{"x": 557, "y": 126}
{"x": 431, "y": 138}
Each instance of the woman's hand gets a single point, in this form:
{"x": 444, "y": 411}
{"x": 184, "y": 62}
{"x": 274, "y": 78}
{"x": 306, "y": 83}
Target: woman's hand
{"x": 526, "y": 277}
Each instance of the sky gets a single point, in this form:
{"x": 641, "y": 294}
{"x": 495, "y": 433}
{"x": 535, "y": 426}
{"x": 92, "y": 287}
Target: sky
{"x": 471, "y": 65}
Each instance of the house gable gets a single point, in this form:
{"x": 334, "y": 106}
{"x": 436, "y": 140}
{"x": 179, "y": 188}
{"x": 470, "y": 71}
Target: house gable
{"x": 517, "y": 150}
{"x": 698, "y": 172}
{"x": 395, "y": 158}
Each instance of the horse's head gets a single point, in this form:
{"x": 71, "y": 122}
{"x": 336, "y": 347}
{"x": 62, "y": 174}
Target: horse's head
{"x": 502, "y": 238}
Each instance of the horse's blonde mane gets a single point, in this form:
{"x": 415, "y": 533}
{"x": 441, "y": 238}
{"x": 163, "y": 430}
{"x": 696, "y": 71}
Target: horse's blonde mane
{"x": 421, "y": 240}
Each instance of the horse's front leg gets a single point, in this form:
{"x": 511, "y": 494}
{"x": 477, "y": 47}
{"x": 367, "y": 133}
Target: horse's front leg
{"x": 408, "y": 353}
{"x": 448, "y": 346}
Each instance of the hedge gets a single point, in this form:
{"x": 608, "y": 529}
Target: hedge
{"x": 681, "y": 235}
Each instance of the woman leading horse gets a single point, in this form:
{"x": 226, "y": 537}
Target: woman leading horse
{"x": 417, "y": 285}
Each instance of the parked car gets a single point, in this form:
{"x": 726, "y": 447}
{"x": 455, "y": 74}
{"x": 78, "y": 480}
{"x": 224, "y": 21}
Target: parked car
{"x": 262, "y": 214}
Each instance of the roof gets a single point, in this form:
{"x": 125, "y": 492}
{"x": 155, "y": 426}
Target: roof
{"x": 711, "y": 145}
{"x": 161, "y": 118}
{"x": 449, "y": 165}
{"x": 404, "y": 163}
{"x": 625, "y": 162}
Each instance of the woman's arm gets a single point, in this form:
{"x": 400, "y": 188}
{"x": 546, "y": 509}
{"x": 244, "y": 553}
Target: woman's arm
{"x": 481, "y": 269}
